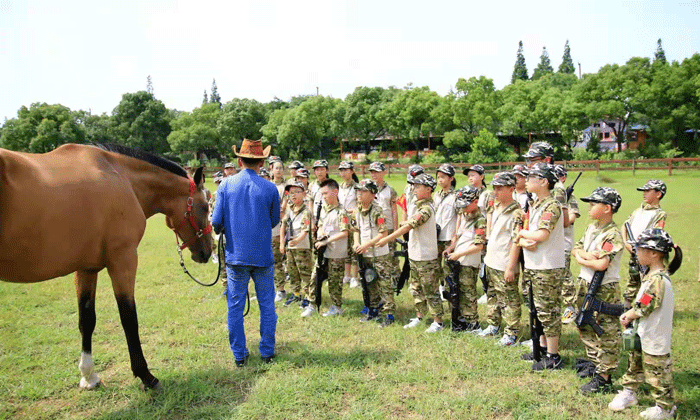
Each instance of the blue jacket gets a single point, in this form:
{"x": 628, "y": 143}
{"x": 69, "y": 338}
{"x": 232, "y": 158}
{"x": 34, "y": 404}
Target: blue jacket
{"x": 247, "y": 207}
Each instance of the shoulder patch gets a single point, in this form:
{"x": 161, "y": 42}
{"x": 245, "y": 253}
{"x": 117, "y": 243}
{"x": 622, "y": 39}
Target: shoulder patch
{"x": 661, "y": 224}
{"x": 546, "y": 216}
{"x": 479, "y": 232}
{"x": 645, "y": 299}
{"x": 380, "y": 221}
{"x": 345, "y": 219}
{"x": 607, "y": 247}
{"x": 417, "y": 216}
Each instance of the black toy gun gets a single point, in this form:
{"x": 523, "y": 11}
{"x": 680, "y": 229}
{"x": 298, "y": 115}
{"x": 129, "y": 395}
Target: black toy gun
{"x": 452, "y": 296}
{"x": 570, "y": 188}
{"x": 484, "y": 277}
{"x": 406, "y": 268}
{"x": 634, "y": 261}
{"x": 591, "y": 305}
{"x": 367, "y": 275}
{"x": 536, "y": 329}
{"x": 321, "y": 270}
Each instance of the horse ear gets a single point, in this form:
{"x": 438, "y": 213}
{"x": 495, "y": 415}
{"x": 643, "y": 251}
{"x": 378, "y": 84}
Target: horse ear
{"x": 199, "y": 177}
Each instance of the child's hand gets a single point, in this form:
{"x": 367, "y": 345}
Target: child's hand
{"x": 509, "y": 275}
{"x": 626, "y": 318}
{"x": 452, "y": 257}
{"x": 381, "y": 243}
{"x": 360, "y": 249}
{"x": 528, "y": 244}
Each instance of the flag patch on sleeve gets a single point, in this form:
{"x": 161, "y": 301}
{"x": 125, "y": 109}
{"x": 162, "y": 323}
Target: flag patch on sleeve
{"x": 547, "y": 216}
{"x": 607, "y": 247}
{"x": 661, "y": 224}
{"x": 380, "y": 221}
{"x": 479, "y": 231}
{"x": 645, "y": 299}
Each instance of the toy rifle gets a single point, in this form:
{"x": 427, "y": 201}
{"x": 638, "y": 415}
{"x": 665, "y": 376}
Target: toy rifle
{"x": 406, "y": 268}
{"x": 592, "y": 304}
{"x": 321, "y": 260}
{"x": 570, "y": 188}
{"x": 288, "y": 235}
{"x": 452, "y": 296}
{"x": 634, "y": 261}
{"x": 367, "y": 275}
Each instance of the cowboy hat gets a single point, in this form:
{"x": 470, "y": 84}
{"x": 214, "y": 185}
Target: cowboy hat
{"x": 252, "y": 149}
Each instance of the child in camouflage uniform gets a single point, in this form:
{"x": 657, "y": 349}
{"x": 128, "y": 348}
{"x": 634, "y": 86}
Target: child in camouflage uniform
{"x": 542, "y": 240}
{"x": 370, "y": 228}
{"x": 600, "y": 249}
{"x": 653, "y": 311}
{"x": 445, "y": 212}
{"x": 568, "y": 288}
{"x": 277, "y": 173}
{"x": 649, "y": 215}
{"x": 467, "y": 243}
{"x": 422, "y": 253}
{"x": 298, "y": 250}
{"x": 502, "y": 262}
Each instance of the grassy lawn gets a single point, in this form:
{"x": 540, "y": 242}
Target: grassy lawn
{"x": 326, "y": 368}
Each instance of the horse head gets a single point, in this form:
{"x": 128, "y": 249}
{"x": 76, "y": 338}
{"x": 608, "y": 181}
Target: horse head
{"x": 194, "y": 229}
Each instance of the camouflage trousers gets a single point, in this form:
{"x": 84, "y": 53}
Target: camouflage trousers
{"x": 299, "y": 265}
{"x": 525, "y": 282}
{"x": 382, "y": 289}
{"x": 279, "y": 270}
{"x": 633, "y": 285}
{"x": 442, "y": 245}
{"x": 604, "y": 351}
{"x": 468, "y": 294}
{"x": 336, "y": 272}
{"x": 656, "y": 370}
{"x": 546, "y": 293}
{"x": 569, "y": 284}
{"x": 425, "y": 287}
{"x": 503, "y": 302}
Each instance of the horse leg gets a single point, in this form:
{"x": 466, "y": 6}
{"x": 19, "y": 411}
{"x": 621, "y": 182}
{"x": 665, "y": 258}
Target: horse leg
{"x": 85, "y": 286}
{"x": 123, "y": 275}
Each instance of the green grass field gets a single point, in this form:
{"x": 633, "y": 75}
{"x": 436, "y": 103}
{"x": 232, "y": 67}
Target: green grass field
{"x": 326, "y": 368}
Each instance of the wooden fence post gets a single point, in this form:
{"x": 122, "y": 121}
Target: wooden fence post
{"x": 670, "y": 167}
{"x": 634, "y": 166}
{"x": 597, "y": 168}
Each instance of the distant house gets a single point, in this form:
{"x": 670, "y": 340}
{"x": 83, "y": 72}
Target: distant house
{"x": 636, "y": 136}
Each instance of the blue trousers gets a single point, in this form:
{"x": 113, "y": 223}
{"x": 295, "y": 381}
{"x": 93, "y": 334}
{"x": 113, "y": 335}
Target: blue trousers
{"x": 237, "y": 287}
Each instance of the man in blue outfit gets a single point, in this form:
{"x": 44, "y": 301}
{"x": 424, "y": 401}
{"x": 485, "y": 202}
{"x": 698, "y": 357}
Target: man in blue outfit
{"x": 247, "y": 208}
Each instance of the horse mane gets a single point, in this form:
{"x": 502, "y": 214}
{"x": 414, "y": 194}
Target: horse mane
{"x": 158, "y": 161}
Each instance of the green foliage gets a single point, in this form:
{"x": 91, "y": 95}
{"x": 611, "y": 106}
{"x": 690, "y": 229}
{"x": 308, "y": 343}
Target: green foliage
{"x": 519, "y": 69}
{"x": 196, "y": 131}
{"x": 567, "y": 64}
{"x": 456, "y": 139}
{"x": 241, "y": 119}
{"x": 487, "y": 148}
{"x": 214, "y": 97}
{"x": 42, "y": 128}
{"x": 544, "y": 67}
{"x": 433, "y": 157}
{"x": 579, "y": 153}
{"x": 141, "y": 121}
{"x": 660, "y": 55}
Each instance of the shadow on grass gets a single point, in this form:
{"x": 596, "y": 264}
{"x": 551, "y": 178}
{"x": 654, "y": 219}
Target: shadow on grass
{"x": 301, "y": 355}
{"x": 680, "y": 316}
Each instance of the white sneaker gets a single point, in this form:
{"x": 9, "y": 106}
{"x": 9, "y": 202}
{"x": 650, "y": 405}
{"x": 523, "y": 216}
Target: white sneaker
{"x": 354, "y": 284}
{"x": 310, "y": 310}
{"x": 657, "y": 413}
{"x": 507, "y": 340}
{"x": 442, "y": 293}
{"x": 280, "y": 296}
{"x": 333, "y": 310}
{"x": 489, "y": 331}
{"x": 346, "y": 279}
{"x": 482, "y": 300}
{"x": 434, "y": 327}
{"x": 623, "y": 399}
{"x": 413, "y": 323}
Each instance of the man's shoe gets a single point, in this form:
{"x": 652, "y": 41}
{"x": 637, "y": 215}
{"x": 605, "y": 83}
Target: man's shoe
{"x": 388, "y": 320}
{"x": 310, "y": 310}
{"x": 333, "y": 310}
{"x": 657, "y": 413}
{"x": 507, "y": 340}
{"x": 280, "y": 296}
{"x": 548, "y": 362}
{"x": 291, "y": 299}
{"x": 434, "y": 327}
{"x": 413, "y": 323}
{"x": 623, "y": 399}
{"x": 597, "y": 385}
{"x": 489, "y": 331}
{"x": 241, "y": 363}
{"x": 268, "y": 359}
{"x": 568, "y": 316}
{"x": 354, "y": 284}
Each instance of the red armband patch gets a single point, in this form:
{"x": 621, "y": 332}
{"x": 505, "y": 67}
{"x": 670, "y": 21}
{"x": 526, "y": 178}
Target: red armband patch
{"x": 417, "y": 216}
{"x": 661, "y": 224}
{"x": 490, "y": 203}
{"x": 479, "y": 231}
{"x": 344, "y": 220}
{"x": 607, "y": 247}
{"x": 306, "y": 222}
{"x": 380, "y": 221}
{"x": 546, "y": 216}
{"x": 645, "y": 299}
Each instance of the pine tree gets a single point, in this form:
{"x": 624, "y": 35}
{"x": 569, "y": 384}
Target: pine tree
{"x": 660, "y": 55}
{"x": 567, "y": 64}
{"x": 149, "y": 85}
{"x": 545, "y": 66}
{"x": 215, "y": 98}
{"x": 520, "y": 69}
{"x": 206, "y": 98}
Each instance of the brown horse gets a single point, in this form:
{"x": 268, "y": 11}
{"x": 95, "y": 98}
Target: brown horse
{"x": 84, "y": 208}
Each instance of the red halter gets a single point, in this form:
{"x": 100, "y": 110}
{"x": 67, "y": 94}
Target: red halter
{"x": 190, "y": 218}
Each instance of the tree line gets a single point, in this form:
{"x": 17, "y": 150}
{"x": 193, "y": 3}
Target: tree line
{"x": 474, "y": 122}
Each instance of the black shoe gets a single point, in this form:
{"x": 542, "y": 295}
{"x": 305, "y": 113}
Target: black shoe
{"x": 597, "y": 385}
{"x": 586, "y": 371}
{"x": 581, "y": 362}
{"x": 459, "y": 325}
{"x": 548, "y": 362}
{"x": 372, "y": 314}
{"x": 268, "y": 359}
{"x": 529, "y": 357}
{"x": 304, "y": 303}
{"x": 241, "y": 363}
{"x": 388, "y": 320}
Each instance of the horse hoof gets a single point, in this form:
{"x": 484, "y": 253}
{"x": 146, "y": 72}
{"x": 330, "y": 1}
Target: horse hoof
{"x": 89, "y": 385}
{"x": 154, "y": 386}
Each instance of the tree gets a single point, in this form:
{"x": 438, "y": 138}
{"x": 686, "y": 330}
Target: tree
{"x": 149, "y": 85}
{"x": 520, "y": 69}
{"x": 408, "y": 115}
{"x": 41, "y": 128}
{"x": 660, "y": 55}
{"x": 215, "y": 98}
{"x": 488, "y": 148}
{"x": 205, "y": 100}
{"x": 196, "y": 131}
{"x": 241, "y": 119}
{"x": 544, "y": 67}
{"x": 567, "y": 64}
{"x": 361, "y": 118}
{"x": 142, "y": 122}
{"x": 98, "y": 128}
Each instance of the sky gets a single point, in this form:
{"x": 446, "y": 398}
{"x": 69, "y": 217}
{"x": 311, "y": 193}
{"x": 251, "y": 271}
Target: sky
{"x": 87, "y": 54}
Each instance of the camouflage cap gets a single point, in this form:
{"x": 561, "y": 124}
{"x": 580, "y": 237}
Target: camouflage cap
{"x": 294, "y": 184}
{"x": 218, "y": 177}
{"x": 506, "y": 179}
{"x": 656, "y": 239}
{"x": 654, "y": 184}
{"x": 424, "y": 179}
{"x": 322, "y": 163}
{"x": 520, "y": 170}
{"x": 414, "y": 171}
{"x": 264, "y": 172}
{"x": 559, "y": 170}
{"x": 274, "y": 159}
{"x": 465, "y": 196}
{"x": 367, "y": 185}
{"x": 377, "y": 167}
{"x": 543, "y": 170}
{"x": 303, "y": 172}
{"x": 346, "y": 164}
{"x": 447, "y": 169}
{"x": 296, "y": 165}
{"x": 605, "y": 195}
{"x": 539, "y": 149}
{"x": 229, "y": 165}
{"x": 476, "y": 168}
